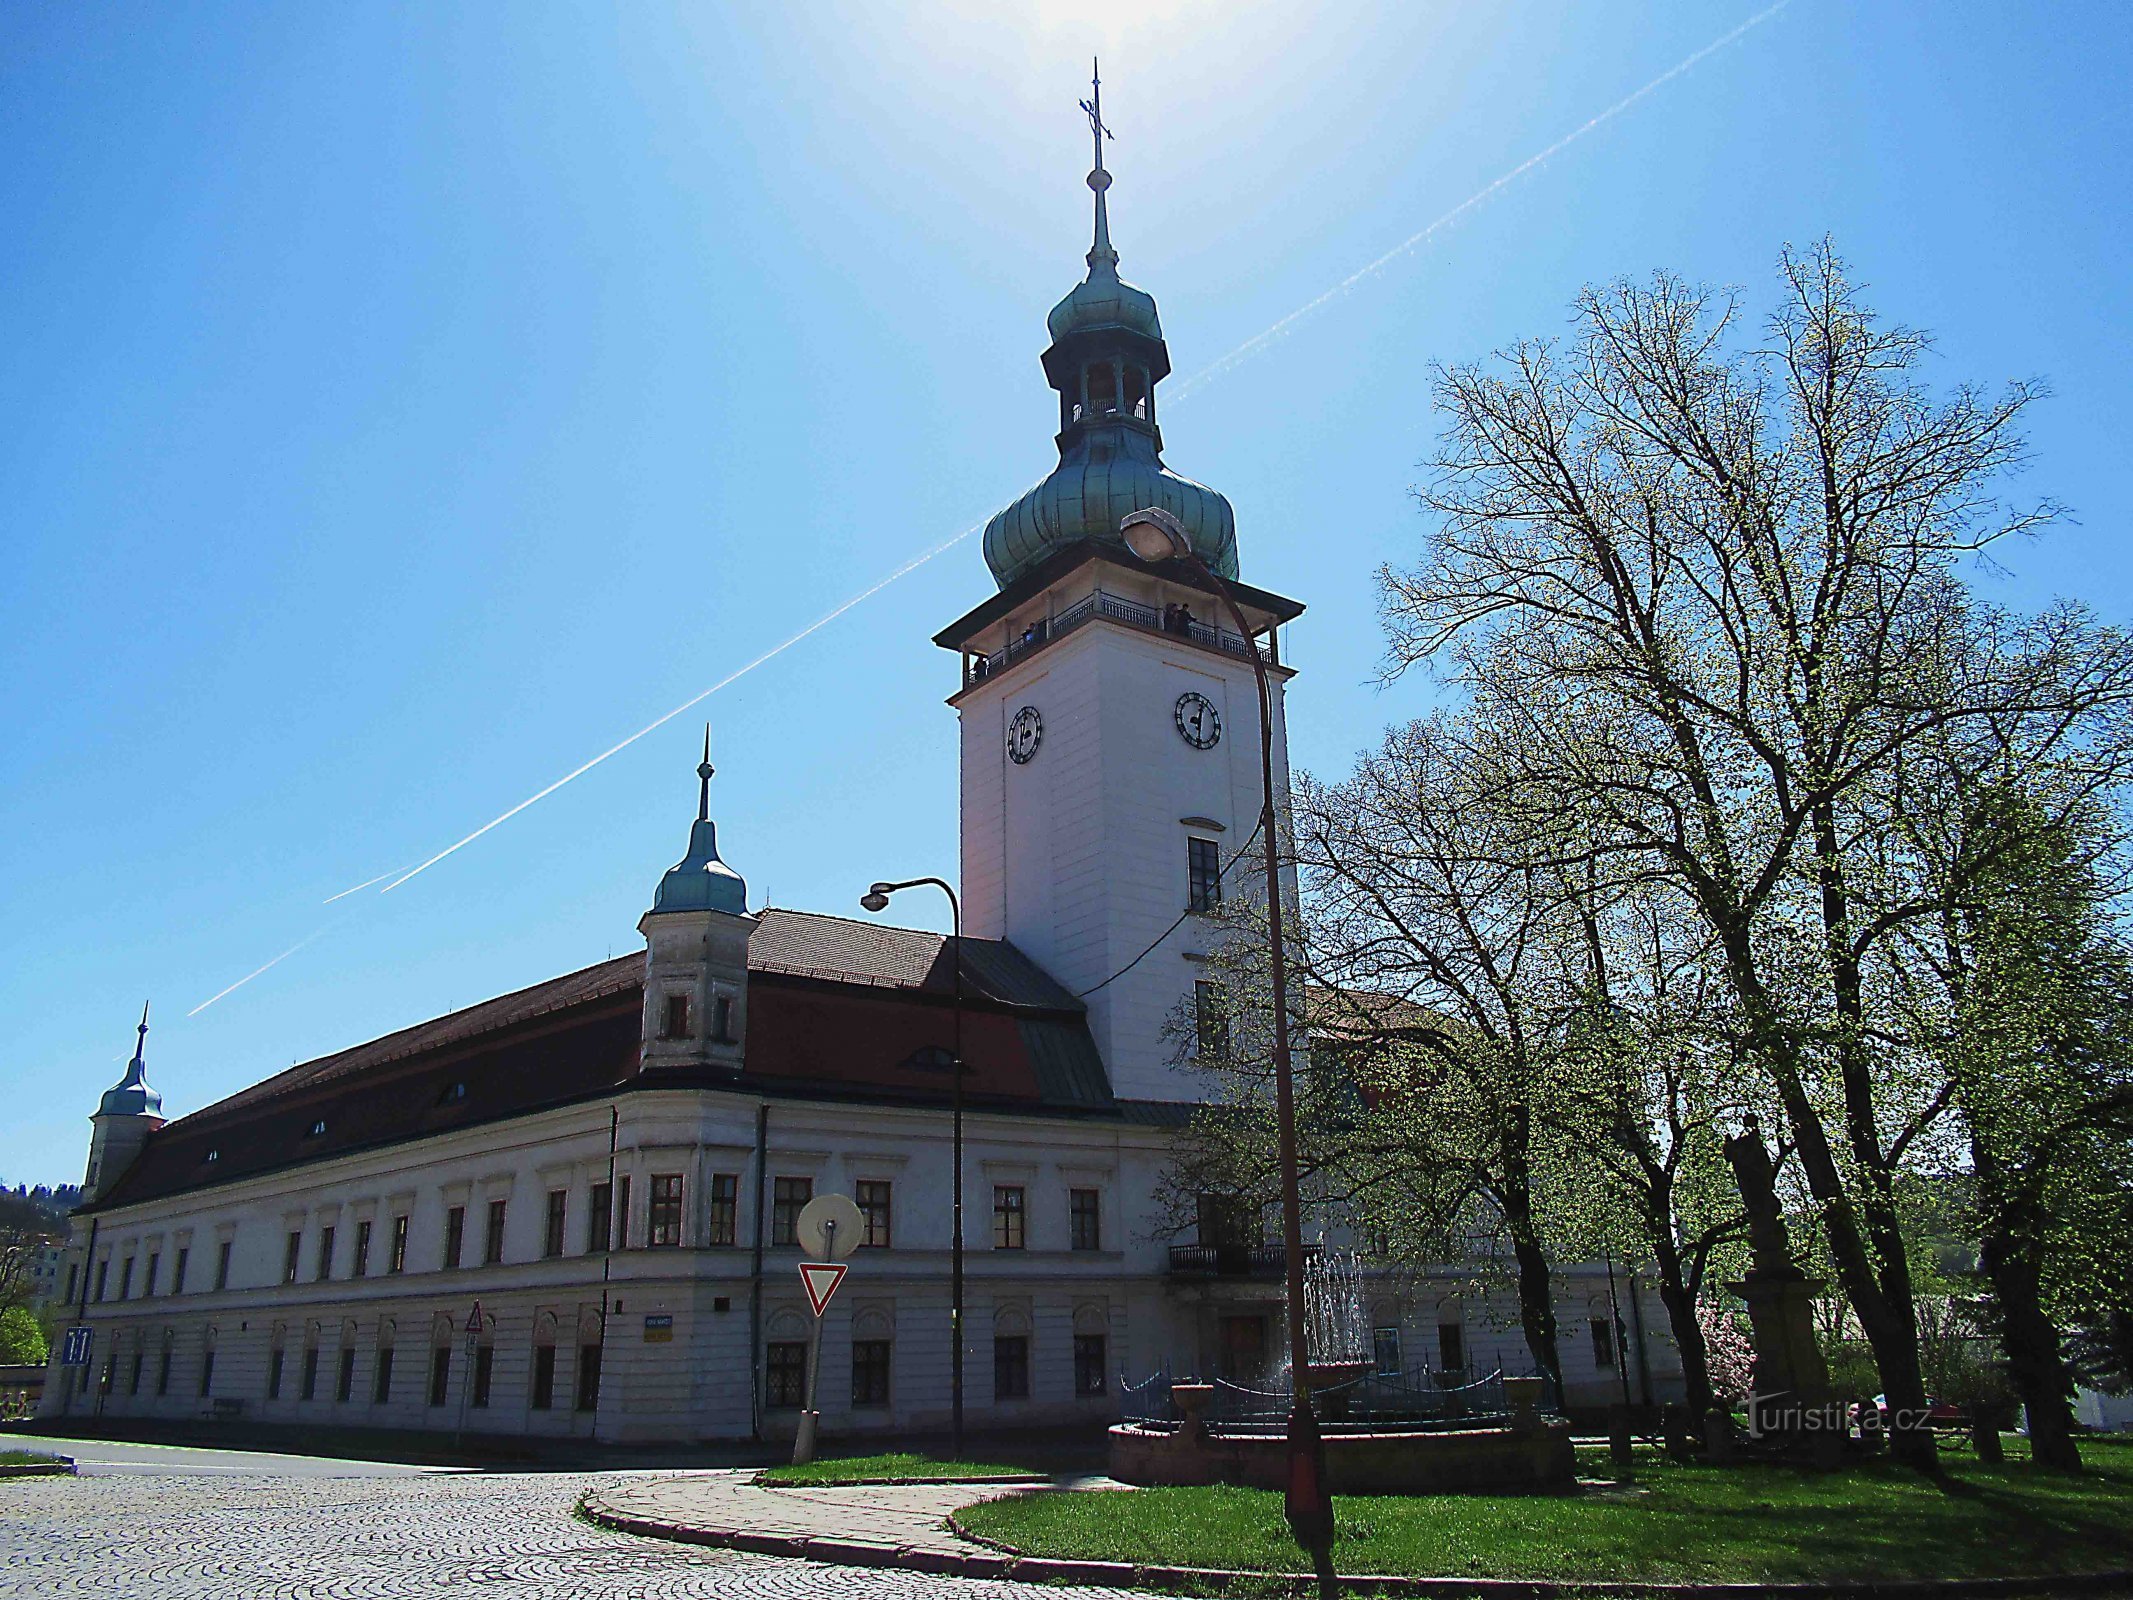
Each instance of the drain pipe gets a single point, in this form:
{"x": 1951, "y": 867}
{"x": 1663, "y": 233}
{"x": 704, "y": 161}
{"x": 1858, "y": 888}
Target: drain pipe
{"x": 755, "y": 1280}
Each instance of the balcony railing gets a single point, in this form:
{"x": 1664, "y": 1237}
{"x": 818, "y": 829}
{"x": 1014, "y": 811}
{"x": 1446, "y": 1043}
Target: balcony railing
{"x": 1112, "y": 608}
{"x": 1227, "y": 1260}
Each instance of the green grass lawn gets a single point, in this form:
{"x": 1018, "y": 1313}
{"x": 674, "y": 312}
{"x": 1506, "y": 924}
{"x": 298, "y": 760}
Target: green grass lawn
{"x": 858, "y": 1469}
{"x": 1678, "y": 1523}
{"x": 25, "y": 1458}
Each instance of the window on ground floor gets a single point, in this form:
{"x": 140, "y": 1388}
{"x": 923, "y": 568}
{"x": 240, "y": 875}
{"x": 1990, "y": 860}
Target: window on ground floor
{"x": 1010, "y": 1367}
{"x": 870, "y": 1372}
{"x": 1451, "y": 1346}
{"x": 543, "y": 1377}
{"x": 484, "y": 1368}
{"x": 440, "y": 1374}
{"x": 274, "y": 1365}
{"x": 345, "y": 1380}
{"x": 588, "y": 1377}
{"x": 1090, "y": 1372}
{"x": 381, "y": 1382}
{"x": 785, "y": 1374}
{"x": 309, "y": 1391}
{"x": 163, "y": 1373}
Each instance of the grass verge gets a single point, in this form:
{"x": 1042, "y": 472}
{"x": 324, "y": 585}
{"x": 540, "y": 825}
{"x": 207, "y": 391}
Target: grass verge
{"x": 25, "y": 1458}
{"x": 896, "y": 1464}
{"x": 1679, "y": 1523}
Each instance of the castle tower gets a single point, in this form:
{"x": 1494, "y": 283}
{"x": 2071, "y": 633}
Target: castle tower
{"x": 1110, "y": 717}
{"x": 696, "y": 953}
{"x": 128, "y": 1113}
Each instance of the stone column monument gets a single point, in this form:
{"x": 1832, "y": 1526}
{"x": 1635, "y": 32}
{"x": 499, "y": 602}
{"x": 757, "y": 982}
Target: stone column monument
{"x": 1791, "y": 1407}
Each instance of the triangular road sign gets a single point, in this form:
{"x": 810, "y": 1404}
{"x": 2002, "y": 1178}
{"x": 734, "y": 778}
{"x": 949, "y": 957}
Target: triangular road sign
{"x": 820, "y": 1280}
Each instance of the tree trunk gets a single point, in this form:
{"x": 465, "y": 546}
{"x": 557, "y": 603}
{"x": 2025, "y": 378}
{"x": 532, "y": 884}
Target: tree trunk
{"x": 1680, "y": 1303}
{"x": 2009, "y": 1258}
{"x": 1536, "y": 1302}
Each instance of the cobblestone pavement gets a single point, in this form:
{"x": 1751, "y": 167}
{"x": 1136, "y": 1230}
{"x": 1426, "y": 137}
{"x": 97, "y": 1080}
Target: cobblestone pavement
{"x": 500, "y": 1537}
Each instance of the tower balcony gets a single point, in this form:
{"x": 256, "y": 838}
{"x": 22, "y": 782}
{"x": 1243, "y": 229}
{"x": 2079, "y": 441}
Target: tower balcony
{"x": 1174, "y": 622}
{"x": 1261, "y": 1261}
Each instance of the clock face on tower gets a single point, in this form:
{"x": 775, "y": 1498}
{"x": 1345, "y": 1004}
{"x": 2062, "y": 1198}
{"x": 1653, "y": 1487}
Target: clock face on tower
{"x": 1025, "y": 731}
{"x": 1199, "y": 723}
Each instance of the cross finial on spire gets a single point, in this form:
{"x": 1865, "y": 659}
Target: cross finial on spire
{"x": 704, "y": 769}
{"x": 1100, "y": 252}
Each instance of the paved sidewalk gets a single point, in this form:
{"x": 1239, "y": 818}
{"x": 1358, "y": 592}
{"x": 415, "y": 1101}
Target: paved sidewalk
{"x": 901, "y": 1525}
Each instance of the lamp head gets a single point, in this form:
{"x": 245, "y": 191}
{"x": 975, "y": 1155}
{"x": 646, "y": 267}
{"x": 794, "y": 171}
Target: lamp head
{"x": 1154, "y": 534}
{"x": 876, "y": 898}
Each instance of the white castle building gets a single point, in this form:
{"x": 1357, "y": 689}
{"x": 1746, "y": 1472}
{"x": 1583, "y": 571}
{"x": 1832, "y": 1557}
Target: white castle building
{"x": 570, "y": 1210}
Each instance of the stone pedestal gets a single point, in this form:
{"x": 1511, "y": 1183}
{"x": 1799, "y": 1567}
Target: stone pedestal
{"x": 1792, "y": 1409}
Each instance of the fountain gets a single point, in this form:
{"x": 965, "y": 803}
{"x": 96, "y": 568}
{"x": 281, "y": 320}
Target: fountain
{"x": 1385, "y": 1433}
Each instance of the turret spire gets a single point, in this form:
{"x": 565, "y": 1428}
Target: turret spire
{"x": 131, "y": 1095}
{"x": 704, "y": 769}
{"x": 1101, "y": 255}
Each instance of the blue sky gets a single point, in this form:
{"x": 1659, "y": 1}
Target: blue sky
{"x": 406, "y": 403}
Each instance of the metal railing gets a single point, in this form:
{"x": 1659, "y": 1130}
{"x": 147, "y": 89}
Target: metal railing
{"x": 1417, "y": 1400}
{"x": 1112, "y": 608}
{"x": 1226, "y": 1261}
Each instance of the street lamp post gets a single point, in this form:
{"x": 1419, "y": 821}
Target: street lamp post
{"x": 1155, "y": 535}
{"x": 877, "y": 899}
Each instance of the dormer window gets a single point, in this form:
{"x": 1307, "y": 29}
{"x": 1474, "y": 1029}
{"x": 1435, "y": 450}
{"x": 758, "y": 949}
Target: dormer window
{"x": 675, "y": 1024}
{"x": 212, "y": 1155}
{"x": 317, "y": 1129}
{"x": 452, "y": 1094}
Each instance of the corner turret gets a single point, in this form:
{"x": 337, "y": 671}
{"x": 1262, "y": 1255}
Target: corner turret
{"x": 696, "y": 953}
{"x": 128, "y": 1113}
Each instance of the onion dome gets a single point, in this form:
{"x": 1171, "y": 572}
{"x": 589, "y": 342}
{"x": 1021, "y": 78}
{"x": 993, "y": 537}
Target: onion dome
{"x": 700, "y": 881}
{"x": 1106, "y": 358}
{"x": 131, "y": 1096}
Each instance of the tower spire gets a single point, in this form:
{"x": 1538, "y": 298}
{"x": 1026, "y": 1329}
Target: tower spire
{"x": 704, "y": 769}
{"x": 1101, "y": 255}
{"x": 137, "y": 1069}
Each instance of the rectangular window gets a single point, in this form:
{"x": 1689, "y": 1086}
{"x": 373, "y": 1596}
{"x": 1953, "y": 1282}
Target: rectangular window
{"x": 588, "y": 1377}
{"x": 291, "y": 1251}
{"x": 455, "y": 1236}
{"x": 725, "y": 1207}
{"x": 558, "y": 1211}
{"x": 310, "y": 1388}
{"x": 177, "y": 1276}
{"x": 1203, "y": 874}
{"x": 1090, "y": 1375}
{"x": 360, "y": 1267}
{"x": 1603, "y": 1344}
{"x": 785, "y": 1375}
{"x": 381, "y": 1381}
{"x": 1210, "y": 1018}
{"x": 1085, "y": 1219}
{"x": 397, "y": 1260}
{"x": 484, "y": 1369}
{"x": 543, "y": 1377}
{"x": 222, "y": 1265}
{"x": 873, "y": 1197}
{"x": 787, "y": 1196}
{"x": 492, "y": 1239}
{"x": 722, "y": 1020}
{"x": 126, "y": 1279}
{"x": 1451, "y": 1347}
{"x": 1010, "y": 1367}
{"x": 133, "y": 1380}
{"x": 870, "y": 1372}
{"x": 325, "y": 1254}
{"x": 344, "y": 1382}
{"x": 103, "y": 1272}
{"x": 274, "y": 1365}
{"x": 155, "y": 1270}
{"x": 599, "y": 1217}
{"x": 73, "y": 1273}
{"x": 675, "y": 1024}
{"x": 163, "y": 1372}
{"x": 1385, "y": 1351}
{"x": 440, "y": 1374}
{"x": 622, "y": 1216}
{"x": 663, "y": 1221}
{"x": 1009, "y": 1216}
{"x": 207, "y": 1374}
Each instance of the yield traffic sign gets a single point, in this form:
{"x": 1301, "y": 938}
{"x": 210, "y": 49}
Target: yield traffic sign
{"x": 820, "y": 1280}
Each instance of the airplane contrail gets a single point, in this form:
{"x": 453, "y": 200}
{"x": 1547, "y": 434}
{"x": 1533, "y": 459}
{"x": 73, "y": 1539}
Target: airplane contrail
{"x": 1259, "y": 341}
{"x": 1182, "y": 390}
{"x": 365, "y": 884}
{"x": 816, "y": 626}
{"x": 255, "y": 972}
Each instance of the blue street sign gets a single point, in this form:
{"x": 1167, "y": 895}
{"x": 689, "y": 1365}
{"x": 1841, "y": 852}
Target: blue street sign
{"x": 75, "y": 1351}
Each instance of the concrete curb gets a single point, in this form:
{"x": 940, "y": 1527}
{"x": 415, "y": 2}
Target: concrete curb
{"x": 989, "y": 1560}
{"x": 57, "y": 1467}
{"x": 763, "y": 1480}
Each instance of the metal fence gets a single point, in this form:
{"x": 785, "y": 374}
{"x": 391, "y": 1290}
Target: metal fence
{"x": 1118, "y": 609}
{"x": 1441, "y": 1399}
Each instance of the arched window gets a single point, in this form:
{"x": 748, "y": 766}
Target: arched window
{"x": 1102, "y": 387}
{"x": 1137, "y": 392}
